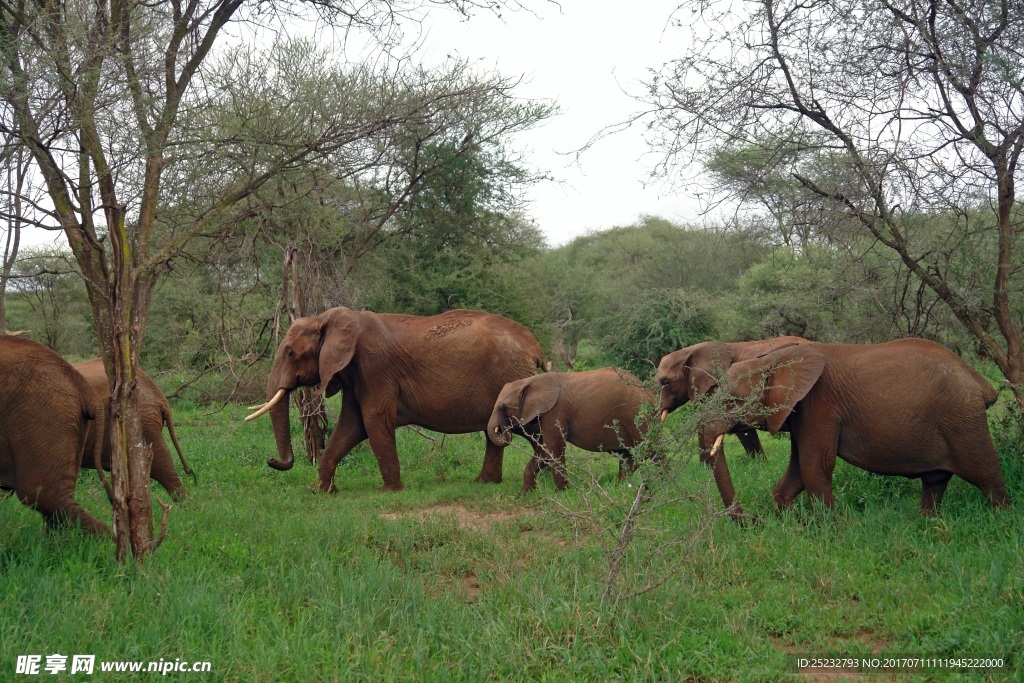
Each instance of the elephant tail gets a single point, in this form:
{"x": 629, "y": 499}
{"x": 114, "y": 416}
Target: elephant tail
{"x": 988, "y": 392}
{"x": 95, "y": 411}
{"x": 169, "y": 422}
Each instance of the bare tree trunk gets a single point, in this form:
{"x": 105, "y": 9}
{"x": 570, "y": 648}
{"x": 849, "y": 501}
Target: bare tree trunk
{"x": 311, "y": 406}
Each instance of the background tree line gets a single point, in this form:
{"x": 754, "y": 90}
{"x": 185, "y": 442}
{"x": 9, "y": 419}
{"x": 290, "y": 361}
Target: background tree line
{"x": 624, "y": 296}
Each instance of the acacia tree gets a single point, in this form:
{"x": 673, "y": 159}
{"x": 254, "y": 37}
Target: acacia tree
{"x": 922, "y": 100}
{"x": 101, "y": 92}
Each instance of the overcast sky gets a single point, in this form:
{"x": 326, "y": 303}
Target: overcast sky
{"x": 588, "y": 57}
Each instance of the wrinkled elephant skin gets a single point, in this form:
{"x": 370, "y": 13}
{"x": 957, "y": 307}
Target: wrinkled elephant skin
{"x": 596, "y": 411}
{"x": 909, "y": 408}
{"x": 155, "y": 412}
{"x": 440, "y": 372}
{"x": 46, "y": 412}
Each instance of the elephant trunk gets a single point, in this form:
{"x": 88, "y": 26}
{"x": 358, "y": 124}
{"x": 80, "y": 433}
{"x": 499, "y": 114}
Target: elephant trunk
{"x": 498, "y": 431}
{"x": 282, "y": 435}
{"x": 669, "y": 402}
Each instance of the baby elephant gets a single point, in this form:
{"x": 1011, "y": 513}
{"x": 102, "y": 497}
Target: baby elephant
{"x": 156, "y": 412}
{"x": 594, "y": 410}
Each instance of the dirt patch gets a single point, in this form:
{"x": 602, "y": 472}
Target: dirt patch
{"x": 464, "y": 517}
{"x": 877, "y": 643}
{"x": 448, "y": 327}
{"x": 472, "y": 587}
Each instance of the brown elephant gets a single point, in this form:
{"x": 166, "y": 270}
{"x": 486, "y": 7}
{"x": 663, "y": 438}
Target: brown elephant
{"x": 46, "y": 412}
{"x": 155, "y": 412}
{"x": 594, "y": 410}
{"x": 909, "y": 407}
{"x": 441, "y": 372}
{"x": 737, "y": 351}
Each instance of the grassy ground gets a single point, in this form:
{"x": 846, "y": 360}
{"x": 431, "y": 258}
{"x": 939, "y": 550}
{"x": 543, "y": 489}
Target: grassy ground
{"x": 452, "y": 580}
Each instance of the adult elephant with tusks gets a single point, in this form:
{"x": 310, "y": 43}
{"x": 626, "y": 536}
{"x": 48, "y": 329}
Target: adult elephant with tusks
{"x": 441, "y": 372}
{"x": 697, "y": 375}
{"x": 908, "y": 408}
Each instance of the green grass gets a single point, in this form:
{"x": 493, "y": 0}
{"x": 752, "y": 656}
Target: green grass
{"x": 271, "y": 582}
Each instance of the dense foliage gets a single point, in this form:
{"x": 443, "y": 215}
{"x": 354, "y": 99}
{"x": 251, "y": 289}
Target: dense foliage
{"x": 624, "y": 296}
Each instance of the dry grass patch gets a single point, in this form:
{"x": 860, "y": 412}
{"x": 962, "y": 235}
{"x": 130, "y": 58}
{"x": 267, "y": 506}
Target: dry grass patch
{"x": 473, "y": 520}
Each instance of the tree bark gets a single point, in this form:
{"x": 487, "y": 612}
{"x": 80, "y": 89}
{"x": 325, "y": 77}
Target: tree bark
{"x": 311, "y": 406}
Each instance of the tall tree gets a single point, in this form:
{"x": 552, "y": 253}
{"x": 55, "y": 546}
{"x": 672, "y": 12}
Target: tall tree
{"x": 101, "y": 92}
{"x": 923, "y": 100}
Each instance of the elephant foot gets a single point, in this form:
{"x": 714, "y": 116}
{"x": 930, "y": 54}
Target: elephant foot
{"x": 736, "y": 514}
{"x": 392, "y": 487}
{"x": 319, "y": 487}
{"x": 526, "y": 489}
{"x": 488, "y": 479}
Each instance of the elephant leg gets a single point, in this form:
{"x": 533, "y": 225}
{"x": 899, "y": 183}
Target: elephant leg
{"x": 933, "y": 485}
{"x": 978, "y": 464}
{"x": 751, "y": 443}
{"x": 75, "y": 515}
{"x": 791, "y": 483}
{"x": 494, "y": 458}
{"x": 989, "y": 483}
{"x": 532, "y": 468}
{"x": 59, "y": 509}
{"x": 380, "y": 429}
{"x": 554, "y": 456}
{"x": 817, "y": 462}
{"x": 348, "y": 434}
{"x": 162, "y": 469}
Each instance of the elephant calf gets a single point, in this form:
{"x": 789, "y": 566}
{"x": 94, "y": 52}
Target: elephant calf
{"x": 595, "y": 411}
{"x": 155, "y": 412}
{"x": 47, "y": 411}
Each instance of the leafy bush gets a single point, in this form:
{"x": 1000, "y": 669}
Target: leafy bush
{"x": 656, "y": 323}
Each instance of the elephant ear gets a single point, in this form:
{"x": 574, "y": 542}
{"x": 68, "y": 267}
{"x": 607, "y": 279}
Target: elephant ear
{"x": 339, "y": 333}
{"x": 707, "y": 362}
{"x": 538, "y": 396}
{"x": 778, "y": 380}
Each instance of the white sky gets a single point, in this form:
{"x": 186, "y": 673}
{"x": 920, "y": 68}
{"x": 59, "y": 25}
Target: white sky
{"x": 588, "y": 57}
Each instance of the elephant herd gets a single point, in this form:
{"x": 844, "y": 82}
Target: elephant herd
{"x": 909, "y": 407}
{"x": 53, "y": 422}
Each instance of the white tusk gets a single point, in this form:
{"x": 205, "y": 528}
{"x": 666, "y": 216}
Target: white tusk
{"x": 268, "y": 405}
{"x": 664, "y": 414}
{"x": 497, "y": 430}
{"x": 259, "y": 405}
{"x": 717, "y": 446}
